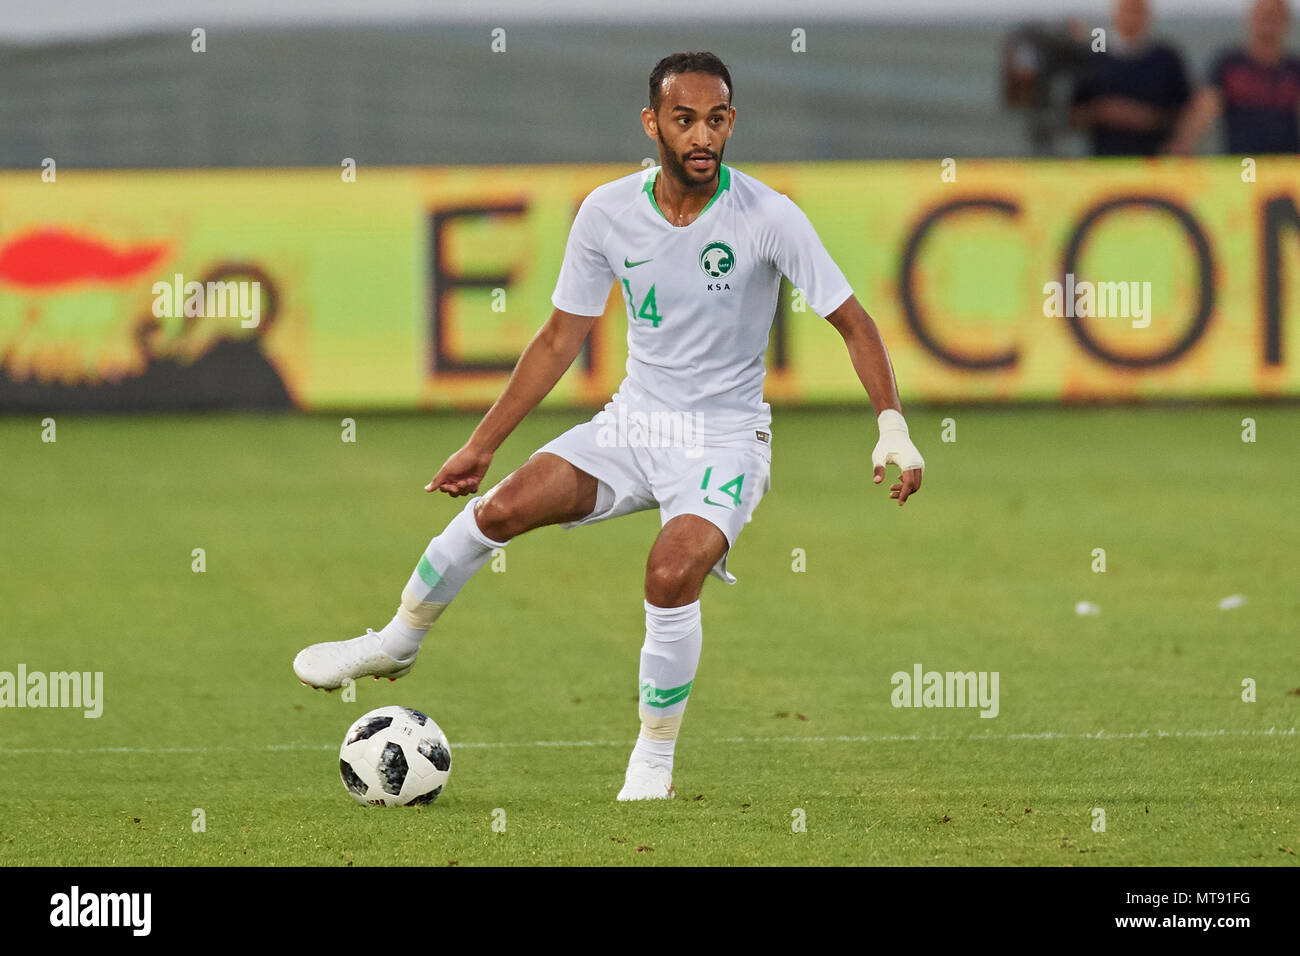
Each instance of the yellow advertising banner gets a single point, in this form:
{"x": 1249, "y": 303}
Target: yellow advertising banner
{"x": 418, "y": 288}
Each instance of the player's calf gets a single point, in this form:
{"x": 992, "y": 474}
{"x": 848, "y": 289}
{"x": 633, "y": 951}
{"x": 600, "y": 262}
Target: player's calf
{"x": 546, "y": 490}
{"x": 687, "y": 547}
{"x": 669, "y": 659}
{"x": 450, "y": 560}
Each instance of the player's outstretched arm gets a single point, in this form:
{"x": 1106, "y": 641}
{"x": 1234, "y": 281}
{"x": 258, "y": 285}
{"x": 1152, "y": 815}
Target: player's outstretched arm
{"x": 871, "y": 362}
{"x": 547, "y": 357}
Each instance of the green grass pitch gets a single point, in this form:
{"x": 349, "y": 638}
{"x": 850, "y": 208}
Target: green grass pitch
{"x": 1137, "y": 711}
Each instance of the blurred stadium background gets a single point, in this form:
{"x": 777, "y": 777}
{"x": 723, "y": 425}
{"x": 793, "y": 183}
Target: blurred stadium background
{"x": 137, "y": 152}
{"x": 950, "y": 192}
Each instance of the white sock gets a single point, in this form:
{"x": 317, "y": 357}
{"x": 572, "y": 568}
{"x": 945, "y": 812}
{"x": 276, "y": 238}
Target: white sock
{"x": 654, "y": 751}
{"x": 447, "y": 564}
{"x": 669, "y": 658}
{"x": 399, "y": 640}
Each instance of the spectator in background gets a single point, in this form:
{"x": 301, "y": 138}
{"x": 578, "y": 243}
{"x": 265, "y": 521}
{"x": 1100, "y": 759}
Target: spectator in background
{"x": 1129, "y": 97}
{"x": 1040, "y": 68}
{"x": 1256, "y": 89}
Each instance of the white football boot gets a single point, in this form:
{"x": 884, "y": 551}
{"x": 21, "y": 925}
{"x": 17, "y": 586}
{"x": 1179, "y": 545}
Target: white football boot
{"x": 647, "y": 781}
{"x": 326, "y": 666}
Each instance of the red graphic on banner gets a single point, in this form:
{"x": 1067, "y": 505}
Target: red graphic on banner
{"x": 52, "y": 257}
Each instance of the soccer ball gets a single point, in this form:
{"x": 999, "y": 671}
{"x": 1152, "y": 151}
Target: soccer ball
{"x": 395, "y": 756}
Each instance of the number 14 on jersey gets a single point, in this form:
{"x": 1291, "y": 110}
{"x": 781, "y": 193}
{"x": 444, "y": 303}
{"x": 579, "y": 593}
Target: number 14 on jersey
{"x": 648, "y": 311}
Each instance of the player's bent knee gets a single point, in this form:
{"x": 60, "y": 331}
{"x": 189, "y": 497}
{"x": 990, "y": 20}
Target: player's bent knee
{"x": 496, "y": 518}
{"x": 670, "y": 584}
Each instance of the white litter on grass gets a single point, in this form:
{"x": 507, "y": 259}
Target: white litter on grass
{"x": 1232, "y": 601}
{"x": 1087, "y": 607}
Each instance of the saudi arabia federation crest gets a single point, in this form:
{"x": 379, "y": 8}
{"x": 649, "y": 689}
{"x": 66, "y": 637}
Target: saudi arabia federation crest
{"x": 717, "y": 260}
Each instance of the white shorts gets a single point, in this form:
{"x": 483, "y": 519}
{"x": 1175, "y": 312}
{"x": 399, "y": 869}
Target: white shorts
{"x": 721, "y": 481}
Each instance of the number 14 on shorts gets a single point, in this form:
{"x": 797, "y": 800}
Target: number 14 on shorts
{"x": 730, "y": 489}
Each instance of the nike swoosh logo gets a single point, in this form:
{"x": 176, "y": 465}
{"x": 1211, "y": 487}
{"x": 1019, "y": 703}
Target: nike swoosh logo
{"x": 714, "y": 503}
{"x": 653, "y": 696}
{"x": 629, "y": 264}
{"x": 660, "y": 700}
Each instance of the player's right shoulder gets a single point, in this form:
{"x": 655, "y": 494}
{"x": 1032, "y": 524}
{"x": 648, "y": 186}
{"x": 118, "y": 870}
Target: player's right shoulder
{"x": 607, "y": 203}
{"x": 603, "y": 208}
{"x": 612, "y": 197}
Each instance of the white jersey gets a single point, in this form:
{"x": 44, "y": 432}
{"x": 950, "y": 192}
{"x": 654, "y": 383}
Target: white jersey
{"x": 700, "y": 298}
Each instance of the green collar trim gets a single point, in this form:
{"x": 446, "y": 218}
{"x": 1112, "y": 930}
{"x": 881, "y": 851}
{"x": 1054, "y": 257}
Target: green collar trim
{"x": 724, "y": 183}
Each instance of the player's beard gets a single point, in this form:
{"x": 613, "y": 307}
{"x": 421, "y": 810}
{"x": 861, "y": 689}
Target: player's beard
{"x": 676, "y": 166}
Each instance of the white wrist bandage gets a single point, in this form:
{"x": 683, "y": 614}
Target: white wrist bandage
{"x": 895, "y": 446}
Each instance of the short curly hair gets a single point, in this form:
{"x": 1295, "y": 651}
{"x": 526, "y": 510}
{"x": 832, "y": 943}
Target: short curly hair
{"x": 698, "y": 62}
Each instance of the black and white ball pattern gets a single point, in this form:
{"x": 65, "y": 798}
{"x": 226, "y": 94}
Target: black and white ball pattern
{"x": 395, "y": 756}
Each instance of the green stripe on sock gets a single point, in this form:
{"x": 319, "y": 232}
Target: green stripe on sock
{"x": 425, "y": 570}
{"x": 652, "y": 696}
